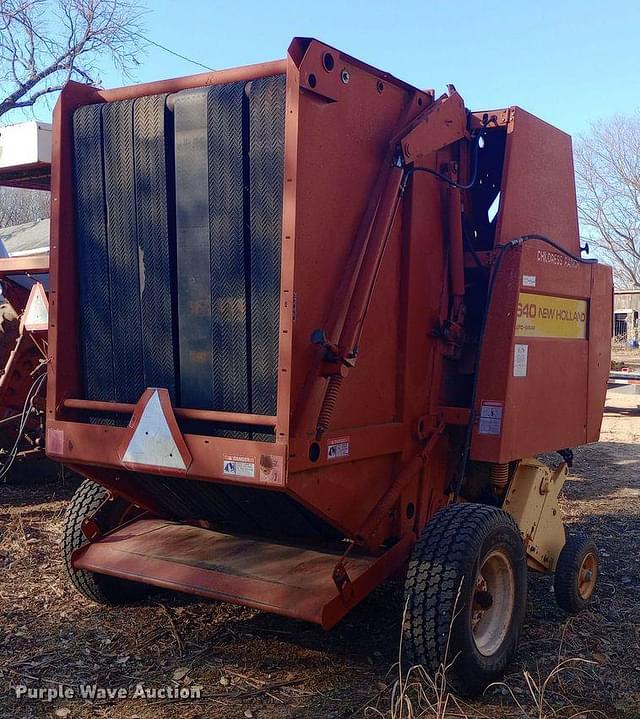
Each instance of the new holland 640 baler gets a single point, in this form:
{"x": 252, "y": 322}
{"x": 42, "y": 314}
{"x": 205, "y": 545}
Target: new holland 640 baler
{"x": 309, "y": 328}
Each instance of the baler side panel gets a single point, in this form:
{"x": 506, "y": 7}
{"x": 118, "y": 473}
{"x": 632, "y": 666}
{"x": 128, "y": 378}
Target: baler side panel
{"x": 600, "y": 329}
{"x": 544, "y": 394}
{"x": 538, "y": 186}
{"x": 341, "y": 147}
{"x": 340, "y": 150}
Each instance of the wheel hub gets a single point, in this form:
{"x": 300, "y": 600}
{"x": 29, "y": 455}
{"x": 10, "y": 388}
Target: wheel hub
{"x": 493, "y": 602}
{"x": 587, "y": 576}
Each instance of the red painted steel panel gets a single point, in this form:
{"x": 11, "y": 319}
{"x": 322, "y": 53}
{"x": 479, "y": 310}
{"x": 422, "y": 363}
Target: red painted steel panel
{"x": 538, "y": 190}
{"x": 545, "y": 403}
{"x": 274, "y": 577}
{"x": 600, "y": 325}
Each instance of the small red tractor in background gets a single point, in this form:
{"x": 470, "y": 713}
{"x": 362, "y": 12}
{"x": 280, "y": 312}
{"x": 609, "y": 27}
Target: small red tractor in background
{"x": 310, "y": 327}
{"x": 24, "y": 163}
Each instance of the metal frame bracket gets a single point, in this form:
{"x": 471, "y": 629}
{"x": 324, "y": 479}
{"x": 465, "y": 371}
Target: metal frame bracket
{"x": 532, "y": 500}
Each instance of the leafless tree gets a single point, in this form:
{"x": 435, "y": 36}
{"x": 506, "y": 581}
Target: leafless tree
{"x": 18, "y": 206}
{"x": 44, "y": 43}
{"x": 608, "y": 185}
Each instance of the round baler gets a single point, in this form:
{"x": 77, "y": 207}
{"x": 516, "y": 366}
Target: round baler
{"x": 310, "y": 327}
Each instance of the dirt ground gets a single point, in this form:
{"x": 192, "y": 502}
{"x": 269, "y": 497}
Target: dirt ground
{"x": 250, "y": 664}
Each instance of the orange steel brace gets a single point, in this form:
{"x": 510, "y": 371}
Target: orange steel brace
{"x": 29, "y": 264}
{"x": 204, "y": 415}
{"x": 367, "y": 532}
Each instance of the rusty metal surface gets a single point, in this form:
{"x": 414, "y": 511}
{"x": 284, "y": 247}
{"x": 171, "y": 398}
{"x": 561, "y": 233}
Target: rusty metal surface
{"x": 29, "y": 177}
{"x": 283, "y": 579}
{"x": 28, "y": 264}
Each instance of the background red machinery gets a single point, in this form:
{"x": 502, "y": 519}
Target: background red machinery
{"x": 23, "y": 330}
{"x": 415, "y": 346}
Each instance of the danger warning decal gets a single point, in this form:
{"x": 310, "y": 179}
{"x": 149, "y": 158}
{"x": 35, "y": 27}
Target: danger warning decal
{"x": 338, "y": 447}
{"x": 490, "y": 418}
{"x": 548, "y": 316}
{"x": 239, "y": 466}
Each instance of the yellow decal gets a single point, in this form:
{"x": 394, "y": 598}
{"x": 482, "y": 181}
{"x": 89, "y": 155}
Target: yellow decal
{"x": 547, "y": 316}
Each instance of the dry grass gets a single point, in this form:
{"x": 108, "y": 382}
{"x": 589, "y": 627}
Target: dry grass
{"x": 415, "y": 694}
{"x": 275, "y": 668}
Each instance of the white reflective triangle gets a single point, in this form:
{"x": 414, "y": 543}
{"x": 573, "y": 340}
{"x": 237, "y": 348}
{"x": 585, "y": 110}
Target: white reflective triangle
{"x": 37, "y": 314}
{"x": 152, "y": 443}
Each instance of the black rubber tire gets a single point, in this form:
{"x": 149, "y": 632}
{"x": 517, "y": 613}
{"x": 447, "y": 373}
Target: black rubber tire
{"x": 438, "y": 624}
{"x": 96, "y": 587}
{"x": 565, "y": 579}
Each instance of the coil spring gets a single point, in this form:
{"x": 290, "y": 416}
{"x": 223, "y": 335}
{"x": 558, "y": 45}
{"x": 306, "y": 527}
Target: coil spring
{"x": 499, "y": 477}
{"x": 328, "y": 404}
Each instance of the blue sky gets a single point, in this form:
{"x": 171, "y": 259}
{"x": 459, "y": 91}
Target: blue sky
{"x": 569, "y": 62}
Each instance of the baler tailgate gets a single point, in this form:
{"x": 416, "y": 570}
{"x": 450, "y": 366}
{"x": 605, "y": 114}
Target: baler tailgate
{"x": 279, "y": 578}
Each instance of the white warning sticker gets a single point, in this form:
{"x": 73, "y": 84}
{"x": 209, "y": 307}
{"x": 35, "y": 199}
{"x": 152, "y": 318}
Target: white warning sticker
{"x": 338, "y": 447}
{"x": 239, "y": 466}
{"x": 520, "y": 359}
{"x": 528, "y": 280}
{"x": 490, "y": 418}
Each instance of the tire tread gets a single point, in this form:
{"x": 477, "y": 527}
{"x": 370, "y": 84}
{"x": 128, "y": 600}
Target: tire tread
{"x": 435, "y": 576}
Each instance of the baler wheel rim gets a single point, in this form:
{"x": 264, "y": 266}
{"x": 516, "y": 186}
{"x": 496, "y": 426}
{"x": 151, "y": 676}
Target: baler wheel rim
{"x": 490, "y": 621}
{"x": 576, "y": 574}
{"x": 587, "y": 576}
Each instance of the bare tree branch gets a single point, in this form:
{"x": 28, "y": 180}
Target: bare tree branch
{"x": 44, "y": 43}
{"x": 607, "y": 162}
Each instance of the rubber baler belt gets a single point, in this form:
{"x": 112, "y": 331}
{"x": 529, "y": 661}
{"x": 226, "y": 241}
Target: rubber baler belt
{"x": 125, "y": 248}
{"x": 192, "y": 232}
{"x": 124, "y": 279}
{"x": 266, "y": 161}
{"x": 228, "y": 224}
{"x": 209, "y": 285}
{"x": 93, "y": 254}
{"x": 227, "y": 262}
{"x": 152, "y": 143}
